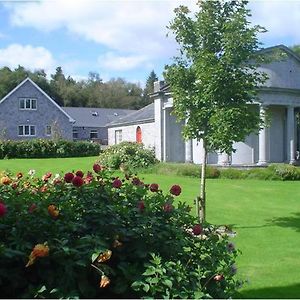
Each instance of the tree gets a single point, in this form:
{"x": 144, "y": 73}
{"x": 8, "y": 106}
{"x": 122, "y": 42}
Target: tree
{"x": 214, "y": 79}
{"x": 149, "y": 88}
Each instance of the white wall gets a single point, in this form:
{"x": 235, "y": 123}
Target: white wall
{"x": 129, "y": 134}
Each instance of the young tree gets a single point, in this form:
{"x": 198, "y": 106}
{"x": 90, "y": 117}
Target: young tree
{"x": 215, "y": 77}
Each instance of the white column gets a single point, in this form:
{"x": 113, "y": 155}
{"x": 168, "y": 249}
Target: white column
{"x": 223, "y": 159}
{"x": 165, "y": 134}
{"x": 291, "y": 134}
{"x": 262, "y": 139}
{"x": 189, "y": 151}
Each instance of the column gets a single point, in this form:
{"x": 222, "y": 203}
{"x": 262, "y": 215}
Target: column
{"x": 262, "y": 139}
{"x": 223, "y": 159}
{"x": 291, "y": 135}
{"x": 189, "y": 151}
{"x": 165, "y": 134}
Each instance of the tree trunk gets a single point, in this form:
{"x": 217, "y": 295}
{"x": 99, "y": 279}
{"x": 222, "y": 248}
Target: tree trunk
{"x": 202, "y": 207}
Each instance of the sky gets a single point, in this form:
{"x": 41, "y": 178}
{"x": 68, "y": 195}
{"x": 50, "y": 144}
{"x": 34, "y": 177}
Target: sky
{"x": 115, "y": 38}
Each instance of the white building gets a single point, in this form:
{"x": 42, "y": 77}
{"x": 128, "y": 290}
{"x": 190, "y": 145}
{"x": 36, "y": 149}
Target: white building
{"x": 156, "y": 127}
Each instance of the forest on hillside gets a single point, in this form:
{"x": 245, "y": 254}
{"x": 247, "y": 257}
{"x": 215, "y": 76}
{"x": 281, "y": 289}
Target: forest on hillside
{"x": 93, "y": 92}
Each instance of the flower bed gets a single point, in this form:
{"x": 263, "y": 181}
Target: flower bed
{"x": 97, "y": 236}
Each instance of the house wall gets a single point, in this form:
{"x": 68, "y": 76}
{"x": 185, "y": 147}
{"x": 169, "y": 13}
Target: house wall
{"x": 129, "y": 134}
{"x": 45, "y": 114}
{"x": 84, "y": 134}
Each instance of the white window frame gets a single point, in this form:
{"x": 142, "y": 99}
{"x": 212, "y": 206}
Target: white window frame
{"x": 75, "y": 131}
{"x": 118, "y": 136}
{"x": 30, "y": 127}
{"x": 93, "y": 131}
{"x": 48, "y": 129}
{"x": 30, "y": 106}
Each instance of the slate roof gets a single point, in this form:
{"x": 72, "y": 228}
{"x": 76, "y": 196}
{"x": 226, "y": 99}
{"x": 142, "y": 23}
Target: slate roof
{"x": 95, "y": 117}
{"x": 144, "y": 115}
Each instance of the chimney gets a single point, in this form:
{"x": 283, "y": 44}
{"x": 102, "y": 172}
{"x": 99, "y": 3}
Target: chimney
{"x": 158, "y": 85}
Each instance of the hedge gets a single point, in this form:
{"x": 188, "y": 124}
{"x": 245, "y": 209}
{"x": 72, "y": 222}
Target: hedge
{"x": 39, "y": 148}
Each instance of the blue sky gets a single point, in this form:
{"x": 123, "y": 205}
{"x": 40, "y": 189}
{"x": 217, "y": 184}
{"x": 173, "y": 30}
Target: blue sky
{"x": 116, "y": 38}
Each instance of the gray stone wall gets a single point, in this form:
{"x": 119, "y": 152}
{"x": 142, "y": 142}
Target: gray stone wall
{"x": 45, "y": 115}
{"x": 85, "y": 132}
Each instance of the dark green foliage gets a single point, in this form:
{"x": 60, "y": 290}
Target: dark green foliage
{"x": 38, "y": 148}
{"x": 127, "y": 155}
{"x": 66, "y": 91}
{"x": 149, "y": 88}
{"x": 148, "y": 233}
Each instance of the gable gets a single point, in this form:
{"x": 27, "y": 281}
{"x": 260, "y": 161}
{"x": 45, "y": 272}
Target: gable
{"x": 27, "y": 88}
{"x": 283, "y": 72}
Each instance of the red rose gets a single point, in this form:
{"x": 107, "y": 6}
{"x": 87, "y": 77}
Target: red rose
{"x": 44, "y": 189}
{"x": 168, "y": 207}
{"x": 154, "y": 187}
{"x": 141, "y": 206}
{"x": 77, "y": 181}
{"x": 79, "y": 173}
{"x": 175, "y": 190}
{"x": 117, "y": 183}
{"x": 32, "y": 208}
{"x": 197, "y": 229}
{"x": 97, "y": 168}
{"x": 69, "y": 177}
{"x": 3, "y": 209}
{"x": 136, "y": 181}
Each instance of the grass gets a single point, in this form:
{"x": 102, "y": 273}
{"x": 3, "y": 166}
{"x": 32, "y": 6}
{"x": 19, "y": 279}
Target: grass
{"x": 265, "y": 215}
{"x": 43, "y": 165}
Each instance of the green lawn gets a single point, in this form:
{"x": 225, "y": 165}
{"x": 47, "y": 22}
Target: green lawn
{"x": 41, "y": 166}
{"x": 265, "y": 215}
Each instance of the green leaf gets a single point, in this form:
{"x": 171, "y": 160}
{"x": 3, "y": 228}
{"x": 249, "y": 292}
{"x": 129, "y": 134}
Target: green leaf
{"x": 149, "y": 272}
{"x": 168, "y": 283}
{"x": 146, "y": 287}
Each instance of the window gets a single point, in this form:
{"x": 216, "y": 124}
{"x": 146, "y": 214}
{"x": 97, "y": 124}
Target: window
{"x": 26, "y": 130}
{"x": 93, "y": 134}
{"x": 27, "y": 104}
{"x": 118, "y": 136}
{"x": 48, "y": 130}
{"x": 75, "y": 134}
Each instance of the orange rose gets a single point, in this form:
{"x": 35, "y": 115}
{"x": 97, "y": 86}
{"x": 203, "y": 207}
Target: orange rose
{"x": 5, "y": 180}
{"x": 104, "y": 282}
{"x": 105, "y": 256}
{"x": 39, "y": 250}
{"x": 53, "y": 211}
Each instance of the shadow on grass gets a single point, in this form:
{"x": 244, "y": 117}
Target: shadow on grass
{"x": 279, "y": 292}
{"x": 290, "y": 222}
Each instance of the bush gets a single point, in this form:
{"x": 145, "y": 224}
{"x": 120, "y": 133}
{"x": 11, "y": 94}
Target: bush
{"x": 96, "y": 236}
{"x": 285, "y": 172}
{"x": 127, "y": 155}
{"x": 38, "y": 148}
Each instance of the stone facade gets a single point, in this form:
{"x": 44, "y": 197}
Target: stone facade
{"x": 45, "y": 112}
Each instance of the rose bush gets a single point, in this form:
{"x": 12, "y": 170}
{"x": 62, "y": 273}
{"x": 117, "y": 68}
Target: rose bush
{"x": 97, "y": 236}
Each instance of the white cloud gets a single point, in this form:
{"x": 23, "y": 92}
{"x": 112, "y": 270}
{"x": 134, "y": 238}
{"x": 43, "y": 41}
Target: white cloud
{"x": 122, "y": 63}
{"x": 27, "y": 56}
{"x": 138, "y": 27}
{"x": 279, "y": 17}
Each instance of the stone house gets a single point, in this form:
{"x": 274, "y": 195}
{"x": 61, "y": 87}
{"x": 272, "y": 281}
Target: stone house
{"x": 279, "y": 142}
{"x": 27, "y": 112}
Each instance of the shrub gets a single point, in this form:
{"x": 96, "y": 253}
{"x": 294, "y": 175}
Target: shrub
{"x": 285, "y": 172}
{"x": 98, "y": 236}
{"x": 127, "y": 155}
{"x": 38, "y": 148}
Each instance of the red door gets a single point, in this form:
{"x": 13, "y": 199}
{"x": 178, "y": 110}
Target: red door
{"x": 139, "y": 135}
